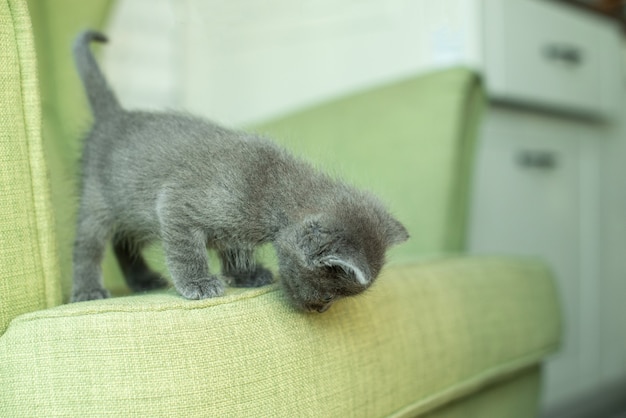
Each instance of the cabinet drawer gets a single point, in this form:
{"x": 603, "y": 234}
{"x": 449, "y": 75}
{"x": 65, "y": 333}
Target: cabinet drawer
{"x": 549, "y": 55}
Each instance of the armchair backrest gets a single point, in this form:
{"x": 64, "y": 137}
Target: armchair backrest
{"x": 37, "y": 193}
{"x": 29, "y": 273}
{"x": 410, "y": 141}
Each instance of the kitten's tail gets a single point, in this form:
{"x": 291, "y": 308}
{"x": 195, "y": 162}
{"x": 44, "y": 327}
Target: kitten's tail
{"x": 101, "y": 98}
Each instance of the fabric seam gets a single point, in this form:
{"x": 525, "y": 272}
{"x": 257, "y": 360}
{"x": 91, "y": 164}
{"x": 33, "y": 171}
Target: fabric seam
{"x": 519, "y": 261}
{"x": 474, "y": 383}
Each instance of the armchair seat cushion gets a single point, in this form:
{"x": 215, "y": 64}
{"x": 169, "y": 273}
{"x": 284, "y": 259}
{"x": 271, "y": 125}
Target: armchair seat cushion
{"x": 446, "y": 328}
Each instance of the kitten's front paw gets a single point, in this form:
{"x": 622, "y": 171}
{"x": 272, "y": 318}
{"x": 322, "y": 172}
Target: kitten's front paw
{"x": 204, "y": 288}
{"x": 260, "y": 277}
{"x": 91, "y": 294}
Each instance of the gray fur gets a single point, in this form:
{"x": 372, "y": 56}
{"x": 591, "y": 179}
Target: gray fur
{"x": 195, "y": 185}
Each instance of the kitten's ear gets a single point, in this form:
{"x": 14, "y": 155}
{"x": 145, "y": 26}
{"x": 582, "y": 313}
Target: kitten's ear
{"x": 396, "y": 232}
{"x": 360, "y": 275}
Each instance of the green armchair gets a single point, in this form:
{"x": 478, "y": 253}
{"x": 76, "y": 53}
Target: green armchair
{"x": 447, "y": 336}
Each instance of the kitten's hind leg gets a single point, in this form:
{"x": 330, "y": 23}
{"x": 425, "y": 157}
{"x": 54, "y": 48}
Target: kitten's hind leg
{"x": 91, "y": 235}
{"x": 138, "y": 275}
{"x": 239, "y": 265}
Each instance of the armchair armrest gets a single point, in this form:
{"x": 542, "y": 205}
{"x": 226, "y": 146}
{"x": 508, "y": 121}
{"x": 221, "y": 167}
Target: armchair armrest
{"x": 426, "y": 334}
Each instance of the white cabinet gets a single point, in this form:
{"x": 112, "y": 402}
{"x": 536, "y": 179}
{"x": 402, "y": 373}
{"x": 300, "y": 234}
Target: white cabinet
{"x": 536, "y": 194}
{"x": 539, "y": 169}
{"x": 543, "y": 54}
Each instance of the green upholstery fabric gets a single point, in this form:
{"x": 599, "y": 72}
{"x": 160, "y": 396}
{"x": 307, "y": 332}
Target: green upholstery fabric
{"x": 425, "y": 335}
{"x": 64, "y": 109}
{"x": 29, "y": 273}
{"x": 453, "y": 337}
{"x": 411, "y": 142}
{"x": 509, "y": 398}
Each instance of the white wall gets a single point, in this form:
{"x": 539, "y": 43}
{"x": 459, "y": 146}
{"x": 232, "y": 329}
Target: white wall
{"x": 143, "y": 60}
{"x": 244, "y": 61}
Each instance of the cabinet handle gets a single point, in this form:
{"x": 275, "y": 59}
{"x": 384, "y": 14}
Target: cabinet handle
{"x": 568, "y": 54}
{"x": 543, "y": 160}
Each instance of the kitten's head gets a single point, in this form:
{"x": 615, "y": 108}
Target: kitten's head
{"x": 330, "y": 256}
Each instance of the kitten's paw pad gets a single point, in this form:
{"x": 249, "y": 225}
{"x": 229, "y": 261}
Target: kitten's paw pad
{"x": 208, "y": 287}
{"x": 91, "y": 294}
{"x": 260, "y": 277}
{"x": 148, "y": 281}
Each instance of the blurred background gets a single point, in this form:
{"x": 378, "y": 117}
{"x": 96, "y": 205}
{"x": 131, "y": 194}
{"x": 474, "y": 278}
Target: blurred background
{"x": 549, "y": 176}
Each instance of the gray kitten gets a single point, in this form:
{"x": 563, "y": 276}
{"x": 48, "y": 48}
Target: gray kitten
{"x": 195, "y": 185}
